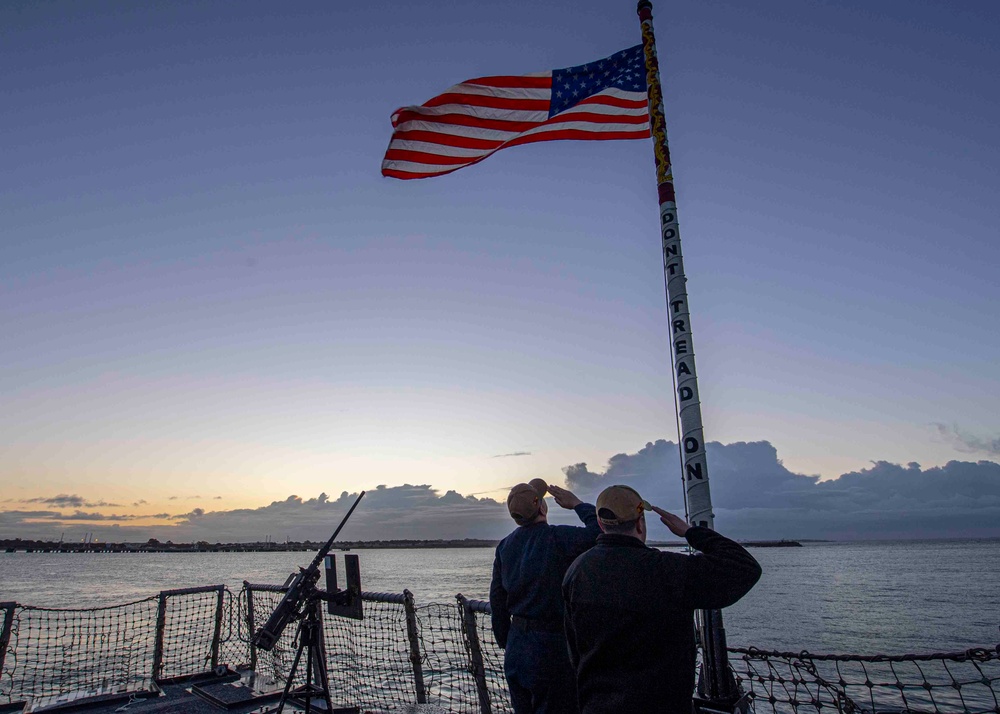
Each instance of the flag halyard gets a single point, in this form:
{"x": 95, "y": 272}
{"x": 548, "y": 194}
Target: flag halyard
{"x": 598, "y": 101}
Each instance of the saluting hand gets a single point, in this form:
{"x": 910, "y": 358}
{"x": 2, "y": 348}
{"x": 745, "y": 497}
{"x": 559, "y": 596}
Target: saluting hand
{"x": 677, "y": 525}
{"x": 565, "y": 499}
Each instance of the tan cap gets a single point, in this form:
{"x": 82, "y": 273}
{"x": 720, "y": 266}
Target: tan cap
{"x": 524, "y": 503}
{"x": 618, "y": 505}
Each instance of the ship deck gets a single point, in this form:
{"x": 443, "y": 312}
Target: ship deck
{"x": 232, "y": 692}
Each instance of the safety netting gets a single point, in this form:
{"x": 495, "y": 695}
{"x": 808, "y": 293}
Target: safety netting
{"x": 369, "y": 659}
{"x": 188, "y": 631}
{"x": 81, "y": 652}
{"x": 447, "y": 669}
{"x": 402, "y": 653}
{"x": 496, "y": 684}
{"x": 792, "y": 682}
{"x": 276, "y": 663}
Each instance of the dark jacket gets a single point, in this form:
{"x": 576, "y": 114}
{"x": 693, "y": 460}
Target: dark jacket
{"x": 630, "y": 618}
{"x": 528, "y": 570}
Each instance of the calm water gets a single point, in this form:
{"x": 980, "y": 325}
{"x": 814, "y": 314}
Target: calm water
{"x": 832, "y": 597}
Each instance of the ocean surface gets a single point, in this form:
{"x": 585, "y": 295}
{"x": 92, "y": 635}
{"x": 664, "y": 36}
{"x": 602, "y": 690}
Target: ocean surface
{"x": 861, "y": 597}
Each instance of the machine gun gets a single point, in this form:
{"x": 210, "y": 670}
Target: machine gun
{"x": 301, "y": 586}
{"x": 302, "y": 602}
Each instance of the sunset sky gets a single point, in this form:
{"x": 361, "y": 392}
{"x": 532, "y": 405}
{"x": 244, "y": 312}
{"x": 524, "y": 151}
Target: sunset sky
{"x": 217, "y": 315}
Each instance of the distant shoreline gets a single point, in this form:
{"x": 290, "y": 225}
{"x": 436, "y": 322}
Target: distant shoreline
{"x": 34, "y": 546}
{"x": 152, "y": 546}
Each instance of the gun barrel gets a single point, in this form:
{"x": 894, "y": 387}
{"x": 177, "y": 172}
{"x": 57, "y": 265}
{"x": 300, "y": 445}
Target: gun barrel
{"x": 300, "y": 588}
{"x": 329, "y": 544}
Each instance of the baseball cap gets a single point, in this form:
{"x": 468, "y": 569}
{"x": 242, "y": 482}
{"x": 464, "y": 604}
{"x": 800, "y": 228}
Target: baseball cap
{"x": 620, "y": 504}
{"x": 523, "y": 502}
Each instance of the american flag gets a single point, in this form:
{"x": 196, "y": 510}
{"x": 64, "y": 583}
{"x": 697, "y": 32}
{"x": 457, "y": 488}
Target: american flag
{"x": 600, "y": 100}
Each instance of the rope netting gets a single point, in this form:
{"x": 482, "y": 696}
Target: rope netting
{"x": 189, "y": 631}
{"x": 400, "y": 654}
{"x": 261, "y": 601}
{"x": 369, "y": 659}
{"x": 447, "y": 670}
{"x": 789, "y": 682}
{"x": 234, "y": 636}
{"x": 496, "y": 683}
{"x": 82, "y": 651}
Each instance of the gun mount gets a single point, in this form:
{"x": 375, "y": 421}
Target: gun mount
{"x": 301, "y": 586}
{"x": 302, "y": 602}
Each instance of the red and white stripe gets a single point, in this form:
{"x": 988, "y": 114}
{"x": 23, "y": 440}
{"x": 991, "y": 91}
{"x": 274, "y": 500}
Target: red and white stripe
{"x": 476, "y": 118}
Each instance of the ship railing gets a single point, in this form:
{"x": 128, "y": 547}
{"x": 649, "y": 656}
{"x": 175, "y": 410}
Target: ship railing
{"x": 402, "y": 653}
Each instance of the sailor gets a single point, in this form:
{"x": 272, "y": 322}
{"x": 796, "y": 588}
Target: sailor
{"x": 630, "y": 608}
{"x": 526, "y": 599}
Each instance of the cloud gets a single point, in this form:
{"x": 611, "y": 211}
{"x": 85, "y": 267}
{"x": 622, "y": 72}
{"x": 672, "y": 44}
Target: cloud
{"x": 19, "y": 523}
{"x": 83, "y": 516}
{"x": 386, "y": 513}
{"x": 64, "y": 500}
{"x": 968, "y": 443}
{"x": 754, "y": 495}
{"x": 516, "y": 453}
{"x": 26, "y": 524}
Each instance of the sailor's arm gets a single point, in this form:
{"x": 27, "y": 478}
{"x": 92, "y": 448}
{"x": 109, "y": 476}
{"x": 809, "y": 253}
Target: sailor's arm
{"x": 586, "y": 511}
{"x": 721, "y": 573}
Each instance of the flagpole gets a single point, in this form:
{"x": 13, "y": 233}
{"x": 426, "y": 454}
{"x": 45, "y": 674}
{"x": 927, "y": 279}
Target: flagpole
{"x": 716, "y": 683}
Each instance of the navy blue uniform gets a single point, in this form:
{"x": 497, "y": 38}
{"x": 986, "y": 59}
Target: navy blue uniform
{"x": 526, "y": 598}
{"x": 630, "y": 618}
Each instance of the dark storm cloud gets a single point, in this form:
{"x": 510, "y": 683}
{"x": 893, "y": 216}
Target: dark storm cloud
{"x": 967, "y": 442}
{"x": 516, "y": 453}
{"x": 755, "y": 496}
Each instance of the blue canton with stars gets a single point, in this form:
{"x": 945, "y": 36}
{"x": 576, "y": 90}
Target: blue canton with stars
{"x": 625, "y": 70}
